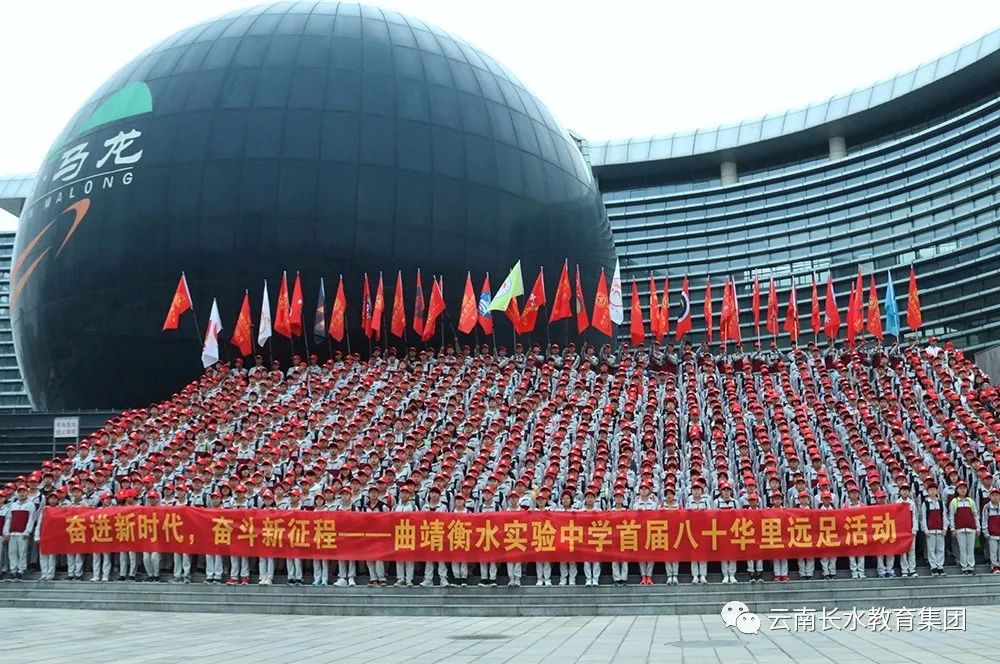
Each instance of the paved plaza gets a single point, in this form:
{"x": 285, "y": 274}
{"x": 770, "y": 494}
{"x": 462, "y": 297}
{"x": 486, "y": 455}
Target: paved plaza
{"x": 51, "y": 636}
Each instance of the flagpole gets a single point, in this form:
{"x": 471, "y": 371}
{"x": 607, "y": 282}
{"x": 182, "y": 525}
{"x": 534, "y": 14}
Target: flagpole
{"x": 194, "y": 314}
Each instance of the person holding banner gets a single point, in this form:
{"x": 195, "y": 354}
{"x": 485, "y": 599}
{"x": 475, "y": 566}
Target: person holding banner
{"x": 697, "y": 500}
{"x": 933, "y": 524}
{"x": 619, "y": 570}
{"x": 265, "y": 570}
{"x": 567, "y": 571}
{"x": 47, "y": 562}
{"x": 213, "y": 563}
{"x": 908, "y": 560}
{"x": 644, "y": 501}
{"x": 321, "y": 566}
{"x": 514, "y": 567}
{"x": 405, "y": 568}
{"x": 293, "y": 565}
{"x": 828, "y": 565}
{"x": 884, "y": 564}
{"x": 239, "y": 566}
{"x": 727, "y": 502}
{"x": 151, "y": 560}
{"x": 806, "y": 566}
{"x": 376, "y": 568}
{"x": 487, "y": 571}
{"x": 101, "y": 562}
{"x": 544, "y": 568}
{"x": 670, "y": 502}
{"x": 991, "y": 529}
{"x": 182, "y": 561}
{"x": 856, "y": 563}
{"x": 591, "y": 571}
{"x": 779, "y": 566}
{"x": 434, "y": 504}
{"x": 346, "y": 569}
{"x": 128, "y": 561}
{"x": 74, "y": 561}
{"x": 754, "y": 567}
{"x": 460, "y": 570}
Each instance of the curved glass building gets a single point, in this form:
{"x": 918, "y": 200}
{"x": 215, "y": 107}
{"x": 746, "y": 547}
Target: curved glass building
{"x": 904, "y": 172}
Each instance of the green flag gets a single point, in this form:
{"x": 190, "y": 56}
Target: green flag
{"x": 512, "y": 286}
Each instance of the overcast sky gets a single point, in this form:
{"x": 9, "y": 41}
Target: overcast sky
{"x": 606, "y": 69}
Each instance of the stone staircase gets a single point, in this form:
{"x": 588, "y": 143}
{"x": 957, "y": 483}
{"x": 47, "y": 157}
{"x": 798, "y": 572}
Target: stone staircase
{"x": 606, "y": 600}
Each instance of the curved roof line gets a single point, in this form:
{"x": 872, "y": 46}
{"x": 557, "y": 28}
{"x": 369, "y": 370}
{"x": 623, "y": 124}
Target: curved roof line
{"x": 773, "y": 125}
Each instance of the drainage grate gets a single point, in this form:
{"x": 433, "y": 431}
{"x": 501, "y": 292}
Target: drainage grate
{"x": 479, "y": 637}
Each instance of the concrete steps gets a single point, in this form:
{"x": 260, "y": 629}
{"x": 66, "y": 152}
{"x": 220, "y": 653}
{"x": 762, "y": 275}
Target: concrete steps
{"x": 502, "y": 601}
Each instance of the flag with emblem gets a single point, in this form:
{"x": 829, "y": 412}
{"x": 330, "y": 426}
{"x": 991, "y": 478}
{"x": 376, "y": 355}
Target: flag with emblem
{"x": 601, "y": 320}
{"x": 684, "y": 319}
{"x": 319, "y": 316}
{"x": 469, "y": 313}
{"x": 338, "y": 312}
{"x": 243, "y": 331}
{"x": 582, "y": 322}
{"x": 914, "y": 319}
{"x": 535, "y": 301}
{"x": 178, "y": 305}
{"x": 485, "y": 315}
{"x": 398, "y": 324}
{"x": 378, "y": 308}
{"x": 418, "y": 308}
{"x": 282, "y": 320}
{"x": 874, "y": 313}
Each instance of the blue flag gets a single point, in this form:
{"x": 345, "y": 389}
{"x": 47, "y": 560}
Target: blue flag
{"x": 319, "y": 326}
{"x": 891, "y": 311}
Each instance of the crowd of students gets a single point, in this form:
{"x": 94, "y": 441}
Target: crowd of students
{"x": 659, "y": 427}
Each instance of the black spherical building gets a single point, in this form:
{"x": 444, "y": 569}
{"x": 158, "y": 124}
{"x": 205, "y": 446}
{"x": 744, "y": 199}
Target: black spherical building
{"x": 321, "y": 138}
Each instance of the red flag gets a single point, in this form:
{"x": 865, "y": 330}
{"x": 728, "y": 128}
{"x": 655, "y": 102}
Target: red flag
{"x": 536, "y": 300}
{"x": 831, "y": 324}
{"x": 336, "y": 328}
{"x": 913, "y": 317}
{"x": 469, "y": 313}
{"x": 772, "y": 309}
{"x": 485, "y": 315}
{"x": 684, "y": 320}
{"x": 792, "y": 315}
{"x": 664, "y": 311}
{"x": 560, "y": 305}
{"x": 602, "y": 308}
{"x": 708, "y": 309}
{"x": 855, "y": 315}
{"x": 582, "y": 323}
{"x": 366, "y": 309}
{"x": 636, "y": 329}
{"x": 513, "y": 313}
{"x": 815, "y": 308}
{"x": 178, "y": 305}
{"x": 874, "y": 313}
{"x": 377, "y": 309}
{"x": 398, "y": 324}
{"x": 295, "y": 307}
{"x": 435, "y": 307}
{"x": 755, "y": 305}
{"x": 725, "y": 314}
{"x": 654, "y": 310}
{"x": 418, "y": 308}
{"x": 244, "y": 328}
{"x": 734, "y": 319}
{"x": 282, "y": 321}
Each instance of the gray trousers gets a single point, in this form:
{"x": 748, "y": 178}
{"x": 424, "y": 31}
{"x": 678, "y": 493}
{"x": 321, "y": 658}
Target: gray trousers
{"x": 376, "y": 570}
{"x": 239, "y": 566}
{"x": 755, "y": 565}
{"x": 74, "y": 565}
{"x": 460, "y": 570}
{"x": 699, "y": 569}
{"x": 884, "y": 564}
{"x": 3, "y": 555}
{"x": 182, "y": 565}
{"x": 857, "y": 564}
{"x": 321, "y": 570}
{"x": 442, "y": 570}
{"x": 544, "y": 571}
{"x": 346, "y": 569}
{"x": 213, "y": 567}
{"x": 48, "y": 565}
{"x": 966, "y": 548}
{"x": 294, "y": 567}
{"x": 673, "y": 568}
{"x": 101, "y": 564}
{"x": 828, "y": 565}
{"x": 728, "y": 567}
{"x": 151, "y": 564}
{"x": 779, "y": 567}
{"x": 994, "y": 548}
{"x": 645, "y": 569}
{"x": 267, "y": 569}
{"x": 935, "y": 549}
{"x": 488, "y": 571}
{"x": 592, "y": 571}
{"x": 405, "y": 570}
{"x": 128, "y": 563}
{"x": 514, "y": 571}
{"x": 18, "y": 550}
{"x": 619, "y": 571}
{"x": 568, "y": 571}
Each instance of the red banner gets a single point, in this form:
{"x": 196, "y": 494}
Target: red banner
{"x": 528, "y": 535}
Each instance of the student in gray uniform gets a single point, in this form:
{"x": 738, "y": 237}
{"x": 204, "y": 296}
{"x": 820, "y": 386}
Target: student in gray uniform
{"x": 346, "y": 569}
{"x": 644, "y": 501}
{"x": 856, "y": 563}
{"x": 294, "y": 565}
{"x": 591, "y": 571}
{"x": 619, "y": 570}
{"x": 213, "y": 562}
{"x": 933, "y": 524}
{"x": 514, "y": 568}
{"x": 128, "y": 561}
{"x": 544, "y": 568}
{"x": 101, "y": 562}
{"x": 779, "y": 566}
{"x": 182, "y": 561}
{"x": 460, "y": 570}
{"x": 487, "y": 571}
{"x": 727, "y": 502}
{"x": 239, "y": 566}
{"x": 990, "y": 523}
{"x": 321, "y": 567}
{"x": 376, "y": 568}
{"x": 807, "y": 566}
{"x": 567, "y": 571}
{"x": 908, "y": 560}
{"x": 151, "y": 560}
{"x": 47, "y": 562}
{"x": 266, "y": 565}
{"x": 670, "y": 502}
{"x": 434, "y": 504}
{"x": 698, "y": 501}
{"x": 828, "y": 565}
{"x": 405, "y": 568}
